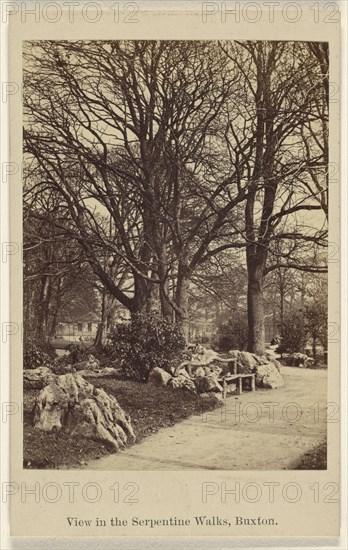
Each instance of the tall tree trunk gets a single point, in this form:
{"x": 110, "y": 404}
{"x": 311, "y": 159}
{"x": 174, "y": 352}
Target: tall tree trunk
{"x": 141, "y": 291}
{"x": 282, "y": 300}
{"x": 153, "y": 300}
{"x": 56, "y": 311}
{"x": 166, "y": 309}
{"x": 102, "y": 327}
{"x": 181, "y": 298}
{"x": 256, "y": 316}
{"x": 41, "y": 328}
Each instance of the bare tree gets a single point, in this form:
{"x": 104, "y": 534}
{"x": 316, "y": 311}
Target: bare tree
{"x": 133, "y": 127}
{"x": 281, "y": 89}
{"x": 166, "y": 155}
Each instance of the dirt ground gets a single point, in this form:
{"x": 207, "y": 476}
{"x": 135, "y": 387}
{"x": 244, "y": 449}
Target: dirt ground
{"x": 262, "y": 430}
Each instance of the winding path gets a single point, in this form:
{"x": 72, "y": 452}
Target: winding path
{"x": 262, "y": 430}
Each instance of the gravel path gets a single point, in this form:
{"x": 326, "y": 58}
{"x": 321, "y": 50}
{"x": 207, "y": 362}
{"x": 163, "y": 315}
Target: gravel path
{"x": 262, "y": 430}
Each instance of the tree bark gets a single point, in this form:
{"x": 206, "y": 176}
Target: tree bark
{"x": 181, "y": 298}
{"x": 140, "y": 301}
{"x": 56, "y": 310}
{"x": 256, "y": 316}
{"x": 41, "y": 330}
{"x": 166, "y": 309}
{"x": 102, "y": 327}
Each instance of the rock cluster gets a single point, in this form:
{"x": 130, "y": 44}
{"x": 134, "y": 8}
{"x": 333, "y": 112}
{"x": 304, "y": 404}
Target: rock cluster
{"x": 204, "y": 371}
{"x": 266, "y": 368}
{"x": 195, "y": 379}
{"x": 72, "y": 403}
{"x": 301, "y": 360}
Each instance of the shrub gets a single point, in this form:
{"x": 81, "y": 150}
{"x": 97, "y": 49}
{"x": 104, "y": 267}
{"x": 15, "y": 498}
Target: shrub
{"x": 317, "y": 325}
{"x": 35, "y": 357}
{"x": 305, "y": 328}
{"x": 147, "y": 342}
{"x": 77, "y": 353}
{"x": 294, "y": 333}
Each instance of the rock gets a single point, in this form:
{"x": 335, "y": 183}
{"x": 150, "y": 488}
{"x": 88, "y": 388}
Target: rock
{"x": 72, "y": 403}
{"x": 50, "y": 407}
{"x": 261, "y": 359}
{"x": 217, "y": 370}
{"x": 183, "y": 372}
{"x": 91, "y": 363}
{"x": 276, "y": 364}
{"x": 183, "y": 383}
{"x": 246, "y": 362}
{"x": 208, "y": 384}
{"x": 198, "y": 372}
{"x": 231, "y": 388}
{"x": 302, "y": 360}
{"x": 267, "y": 376}
{"x": 204, "y": 357}
{"x": 36, "y": 379}
{"x": 81, "y": 365}
{"x": 271, "y": 354}
{"x": 160, "y": 377}
{"x": 181, "y": 368}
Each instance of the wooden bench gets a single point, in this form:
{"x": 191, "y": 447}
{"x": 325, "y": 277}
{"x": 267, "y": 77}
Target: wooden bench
{"x": 238, "y": 379}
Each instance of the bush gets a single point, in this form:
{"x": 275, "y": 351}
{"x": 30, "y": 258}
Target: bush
{"x": 294, "y": 333}
{"x": 77, "y": 353}
{"x": 35, "y": 357}
{"x": 305, "y": 328}
{"x": 147, "y": 342}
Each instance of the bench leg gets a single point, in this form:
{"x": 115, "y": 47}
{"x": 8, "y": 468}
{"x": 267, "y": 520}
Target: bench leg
{"x": 224, "y": 391}
{"x": 240, "y": 387}
{"x": 253, "y": 383}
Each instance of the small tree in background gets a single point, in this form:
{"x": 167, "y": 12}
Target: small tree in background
{"x": 304, "y": 325}
{"x": 316, "y": 324}
{"x": 294, "y": 333}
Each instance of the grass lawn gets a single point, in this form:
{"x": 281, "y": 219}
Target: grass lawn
{"x": 59, "y": 343}
{"x": 316, "y": 459}
{"x": 150, "y": 408}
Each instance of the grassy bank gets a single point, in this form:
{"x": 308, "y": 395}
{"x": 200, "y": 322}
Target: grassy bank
{"x": 316, "y": 459}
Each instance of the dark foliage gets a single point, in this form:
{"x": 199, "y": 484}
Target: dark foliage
{"x": 34, "y": 356}
{"x": 147, "y": 342}
{"x": 77, "y": 353}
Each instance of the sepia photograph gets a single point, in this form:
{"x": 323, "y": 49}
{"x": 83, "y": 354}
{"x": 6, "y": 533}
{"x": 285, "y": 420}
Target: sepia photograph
{"x": 175, "y": 254}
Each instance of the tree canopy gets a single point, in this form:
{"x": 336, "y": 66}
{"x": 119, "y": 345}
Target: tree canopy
{"x": 150, "y": 164}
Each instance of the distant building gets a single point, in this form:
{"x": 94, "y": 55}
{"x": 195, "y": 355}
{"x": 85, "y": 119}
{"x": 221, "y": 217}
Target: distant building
{"x": 80, "y": 327}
